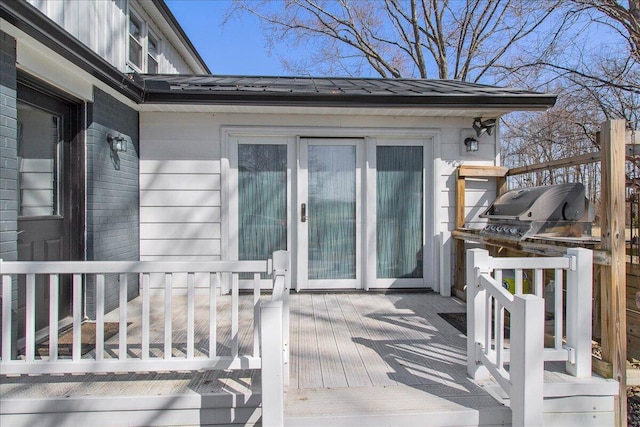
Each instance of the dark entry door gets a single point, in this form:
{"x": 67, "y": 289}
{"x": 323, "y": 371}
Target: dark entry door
{"x": 44, "y": 182}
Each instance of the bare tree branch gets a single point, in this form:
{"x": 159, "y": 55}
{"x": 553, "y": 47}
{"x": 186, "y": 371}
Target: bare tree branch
{"x": 450, "y": 39}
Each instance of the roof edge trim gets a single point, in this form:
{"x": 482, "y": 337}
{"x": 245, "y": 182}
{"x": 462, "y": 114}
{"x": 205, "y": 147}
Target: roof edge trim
{"x": 528, "y": 103}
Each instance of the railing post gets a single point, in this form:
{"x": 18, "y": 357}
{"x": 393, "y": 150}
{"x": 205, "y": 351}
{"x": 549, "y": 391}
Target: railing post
{"x": 272, "y": 358}
{"x": 281, "y": 284}
{"x": 6, "y": 320}
{"x": 477, "y": 260}
{"x": 527, "y": 361}
{"x": 579, "y": 290}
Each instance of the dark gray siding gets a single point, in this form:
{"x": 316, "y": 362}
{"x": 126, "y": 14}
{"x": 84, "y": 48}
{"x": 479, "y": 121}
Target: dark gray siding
{"x": 8, "y": 156}
{"x": 112, "y": 193}
{"x": 8, "y": 149}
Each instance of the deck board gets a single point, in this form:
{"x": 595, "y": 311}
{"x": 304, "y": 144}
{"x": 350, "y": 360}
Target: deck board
{"x": 377, "y": 369}
{"x": 385, "y": 338}
{"x": 354, "y": 366}
{"x": 333, "y": 374}
{"x": 294, "y": 341}
{"x": 310, "y": 371}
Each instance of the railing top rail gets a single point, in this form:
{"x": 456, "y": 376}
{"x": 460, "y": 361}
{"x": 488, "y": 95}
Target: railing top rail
{"x": 104, "y": 267}
{"x": 495, "y": 289}
{"x": 503, "y": 263}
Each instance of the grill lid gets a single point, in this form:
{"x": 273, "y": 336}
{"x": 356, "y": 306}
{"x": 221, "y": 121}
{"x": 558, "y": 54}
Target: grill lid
{"x": 562, "y": 202}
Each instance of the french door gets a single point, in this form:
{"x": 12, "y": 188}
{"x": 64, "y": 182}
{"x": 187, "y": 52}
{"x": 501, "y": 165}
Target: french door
{"x": 329, "y": 213}
{"x": 308, "y": 195}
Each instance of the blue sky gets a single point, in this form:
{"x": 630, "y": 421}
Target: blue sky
{"x": 238, "y": 48}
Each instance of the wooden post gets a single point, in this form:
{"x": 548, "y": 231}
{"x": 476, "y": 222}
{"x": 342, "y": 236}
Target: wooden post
{"x": 612, "y": 223}
{"x": 464, "y": 171}
{"x": 459, "y": 272}
{"x": 501, "y": 185}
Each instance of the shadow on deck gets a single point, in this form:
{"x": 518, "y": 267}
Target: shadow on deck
{"x": 382, "y": 360}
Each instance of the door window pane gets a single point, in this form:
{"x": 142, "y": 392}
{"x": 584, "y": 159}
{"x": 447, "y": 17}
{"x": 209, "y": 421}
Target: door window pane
{"x": 262, "y": 200}
{"x": 38, "y": 161}
{"x": 332, "y": 212}
{"x": 399, "y": 209}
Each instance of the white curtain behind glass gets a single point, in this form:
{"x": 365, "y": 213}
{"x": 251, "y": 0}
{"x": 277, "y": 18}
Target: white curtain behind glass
{"x": 262, "y": 200}
{"x": 399, "y": 209}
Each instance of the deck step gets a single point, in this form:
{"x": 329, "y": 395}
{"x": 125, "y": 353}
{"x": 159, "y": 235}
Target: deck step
{"x": 391, "y": 406}
{"x": 191, "y": 409}
{"x": 570, "y": 401}
{"x": 217, "y": 398}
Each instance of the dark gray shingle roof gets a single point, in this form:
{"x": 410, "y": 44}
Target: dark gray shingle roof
{"x": 334, "y": 91}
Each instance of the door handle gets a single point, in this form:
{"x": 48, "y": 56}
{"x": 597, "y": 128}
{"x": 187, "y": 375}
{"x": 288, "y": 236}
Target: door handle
{"x": 303, "y": 210}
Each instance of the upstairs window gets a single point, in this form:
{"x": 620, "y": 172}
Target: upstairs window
{"x": 152, "y": 54}
{"x": 135, "y": 42}
{"x": 144, "y": 46}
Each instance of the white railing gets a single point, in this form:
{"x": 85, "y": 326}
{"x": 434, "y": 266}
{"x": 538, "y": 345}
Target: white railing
{"x": 517, "y": 361}
{"x": 155, "y": 349}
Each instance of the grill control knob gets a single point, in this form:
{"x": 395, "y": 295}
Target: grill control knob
{"x": 513, "y": 231}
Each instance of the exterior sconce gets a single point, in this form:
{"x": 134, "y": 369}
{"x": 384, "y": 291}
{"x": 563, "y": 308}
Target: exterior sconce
{"x": 118, "y": 144}
{"x": 471, "y": 144}
{"x": 481, "y": 126}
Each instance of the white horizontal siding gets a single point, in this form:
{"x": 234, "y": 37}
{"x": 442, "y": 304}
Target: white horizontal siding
{"x": 181, "y": 247}
{"x": 179, "y": 166}
{"x": 177, "y": 181}
{"x": 180, "y": 214}
{"x": 169, "y": 138}
{"x": 180, "y": 210}
{"x": 180, "y": 198}
{"x": 479, "y": 193}
{"x": 203, "y": 230}
{"x": 182, "y": 257}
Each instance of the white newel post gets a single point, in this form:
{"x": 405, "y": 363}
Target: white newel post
{"x": 272, "y": 358}
{"x": 579, "y": 311}
{"x": 274, "y": 332}
{"x": 477, "y": 260}
{"x": 527, "y": 361}
{"x": 281, "y": 285}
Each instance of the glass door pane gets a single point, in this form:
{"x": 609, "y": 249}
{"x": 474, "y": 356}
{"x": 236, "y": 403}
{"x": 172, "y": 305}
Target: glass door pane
{"x": 332, "y": 211}
{"x": 262, "y": 200}
{"x": 39, "y": 136}
{"x": 399, "y": 212}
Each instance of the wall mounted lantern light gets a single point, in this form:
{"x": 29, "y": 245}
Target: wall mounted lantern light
{"x": 471, "y": 144}
{"x": 117, "y": 143}
{"x": 482, "y": 126}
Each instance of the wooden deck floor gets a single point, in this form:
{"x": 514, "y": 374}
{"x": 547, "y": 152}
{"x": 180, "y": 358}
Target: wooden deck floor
{"x": 381, "y": 360}
{"x": 378, "y": 359}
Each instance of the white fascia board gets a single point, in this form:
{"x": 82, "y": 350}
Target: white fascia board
{"x": 358, "y": 111}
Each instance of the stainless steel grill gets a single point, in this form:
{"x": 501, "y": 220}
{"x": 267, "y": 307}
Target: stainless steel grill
{"x": 554, "y": 211}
